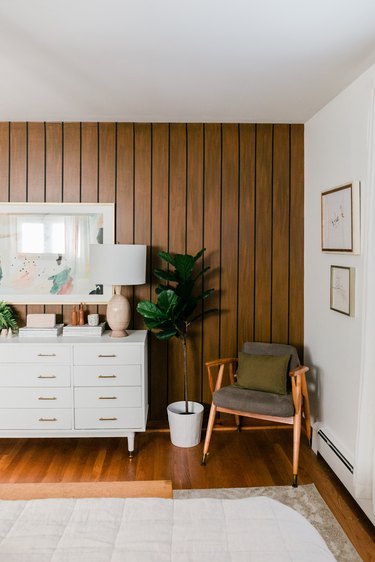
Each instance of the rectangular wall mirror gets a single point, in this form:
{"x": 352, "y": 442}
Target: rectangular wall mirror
{"x": 44, "y": 251}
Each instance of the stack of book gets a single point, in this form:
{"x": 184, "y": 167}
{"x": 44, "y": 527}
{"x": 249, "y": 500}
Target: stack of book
{"x": 29, "y": 332}
{"x": 84, "y": 330}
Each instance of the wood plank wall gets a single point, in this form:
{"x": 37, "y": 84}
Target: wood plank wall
{"x": 235, "y": 189}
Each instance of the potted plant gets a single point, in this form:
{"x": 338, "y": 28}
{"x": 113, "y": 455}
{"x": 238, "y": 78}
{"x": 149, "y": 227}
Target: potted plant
{"x": 8, "y": 318}
{"x": 171, "y": 316}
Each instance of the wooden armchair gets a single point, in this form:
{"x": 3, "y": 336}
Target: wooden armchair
{"x": 286, "y": 409}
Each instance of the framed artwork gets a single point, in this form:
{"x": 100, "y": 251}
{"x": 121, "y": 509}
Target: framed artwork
{"x": 342, "y": 289}
{"x": 44, "y": 251}
{"x": 340, "y": 219}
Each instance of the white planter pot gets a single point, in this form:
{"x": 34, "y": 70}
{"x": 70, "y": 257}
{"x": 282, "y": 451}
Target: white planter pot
{"x": 185, "y": 429}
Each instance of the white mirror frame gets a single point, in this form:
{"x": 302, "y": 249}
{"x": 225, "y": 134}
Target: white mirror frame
{"x": 27, "y": 295}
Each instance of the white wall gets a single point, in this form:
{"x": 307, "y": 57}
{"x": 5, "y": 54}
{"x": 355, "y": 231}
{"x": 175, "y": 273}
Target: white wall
{"x": 336, "y": 152}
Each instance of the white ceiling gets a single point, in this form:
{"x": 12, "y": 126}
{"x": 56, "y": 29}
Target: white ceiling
{"x": 179, "y": 60}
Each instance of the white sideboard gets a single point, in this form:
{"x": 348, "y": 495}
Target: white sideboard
{"x": 74, "y": 386}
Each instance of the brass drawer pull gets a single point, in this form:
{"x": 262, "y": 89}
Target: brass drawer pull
{"x": 107, "y": 419}
{"x": 47, "y": 398}
{"x": 107, "y": 397}
{"x": 107, "y": 376}
{"x": 46, "y": 376}
{"x": 46, "y": 354}
{"x": 47, "y": 419}
{"x": 110, "y": 355}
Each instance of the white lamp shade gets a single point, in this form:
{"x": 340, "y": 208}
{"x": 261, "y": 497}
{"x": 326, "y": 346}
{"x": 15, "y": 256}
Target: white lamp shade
{"x": 118, "y": 264}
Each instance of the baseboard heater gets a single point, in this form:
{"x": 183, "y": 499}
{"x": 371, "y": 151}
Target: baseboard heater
{"x": 337, "y": 452}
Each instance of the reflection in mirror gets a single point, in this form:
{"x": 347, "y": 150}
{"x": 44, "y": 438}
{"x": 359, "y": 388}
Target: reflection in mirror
{"x": 44, "y": 251}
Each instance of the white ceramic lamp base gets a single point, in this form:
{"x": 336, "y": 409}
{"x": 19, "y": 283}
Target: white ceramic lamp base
{"x": 118, "y": 314}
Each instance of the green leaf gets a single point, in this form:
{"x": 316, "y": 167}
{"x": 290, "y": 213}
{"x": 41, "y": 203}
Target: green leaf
{"x": 147, "y": 309}
{"x": 8, "y": 317}
{"x": 202, "y": 272}
{"x": 152, "y": 324}
{"x": 165, "y": 275}
{"x": 167, "y": 334}
{"x": 160, "y": 288}
{"x": 205, "y": 294}
{"x": 166, "y": 256}
{"x": 184, "y": 264}
{"x": 199, "y": 254}
{"x": 185, "y": 289}
{"x": 167, "y": 302}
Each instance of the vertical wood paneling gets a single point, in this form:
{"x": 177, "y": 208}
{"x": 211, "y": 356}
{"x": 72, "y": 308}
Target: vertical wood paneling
{"x": 246, "y": 265}
{"x": 18, "y": 174}
{"x": 212, "y": 242}
{"x": 159, "y": 220}
{"x": 263, "y": 233}
{"x": 177, "y": 241}
{"x": 72, "y": 162}
{"x": 107, "y": 162}
{"x": 142, "y": 204}
{"x": 4, "y": 162}
{"x": 235, "y": 189}
{"x": 280, "y": 235}
{"x": 89, "y": 163}
{"x": 296, "y": 237}
{"x": 36, "y": 162}
{"x": 194, "y": 239}
{"x": 18, "y": 162}
{"x": 125, "y": 188}
{"x": 54, "y": 167}
{"x": 229, "y": 237}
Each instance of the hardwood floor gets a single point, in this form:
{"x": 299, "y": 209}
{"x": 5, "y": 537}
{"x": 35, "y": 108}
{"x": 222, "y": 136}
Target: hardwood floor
{"x": 251, "y": 458}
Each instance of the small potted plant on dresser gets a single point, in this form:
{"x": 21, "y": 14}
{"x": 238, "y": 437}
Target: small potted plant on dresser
{"x": 171, "y": 316}
{"x": 8, "y": 319}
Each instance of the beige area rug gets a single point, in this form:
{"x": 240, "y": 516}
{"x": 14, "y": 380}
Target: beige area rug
{"x": 304, "y": 499}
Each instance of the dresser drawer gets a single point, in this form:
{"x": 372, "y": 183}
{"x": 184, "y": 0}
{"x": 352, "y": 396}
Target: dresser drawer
{"x": 20, "y": 374}
{"x": 32, "y": 353}
{"x": 107, "y": 354}
{"x": 36, "y": 398}
{"x": 108, "y": 418}
{"x": 36, "y": 419}
{"x": 107, "y": 375}
{"x": 108, "y": 397}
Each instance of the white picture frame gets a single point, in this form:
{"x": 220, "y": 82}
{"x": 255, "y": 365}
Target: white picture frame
{"x": 340, "y": 219}
{"x": 44, "y": 251}
{"x": 342, "y": 281}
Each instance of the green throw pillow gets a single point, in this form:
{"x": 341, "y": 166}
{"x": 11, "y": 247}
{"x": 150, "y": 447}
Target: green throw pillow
{"x": 267, "y": 373}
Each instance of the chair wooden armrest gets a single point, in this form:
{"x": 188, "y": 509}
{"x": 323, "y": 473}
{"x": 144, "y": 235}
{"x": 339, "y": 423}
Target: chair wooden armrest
{"x": 298, "y": 371}
{"x": 231, "y": 361}
{"x": 217, "y": 362}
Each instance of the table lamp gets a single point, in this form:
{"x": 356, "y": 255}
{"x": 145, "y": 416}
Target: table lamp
{"x": 118, "y": 264}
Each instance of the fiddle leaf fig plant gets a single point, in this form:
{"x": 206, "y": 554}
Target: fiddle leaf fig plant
{"x": 8, "y": 317}
{"x": 178, "y": 302}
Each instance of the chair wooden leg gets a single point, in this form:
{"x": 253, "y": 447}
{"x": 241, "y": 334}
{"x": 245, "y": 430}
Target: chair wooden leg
{"x": 306, "y": 407}
{"x": 238, "y": 421}
{"x": 210, "y": 425}
{"x": 296, "y": 444}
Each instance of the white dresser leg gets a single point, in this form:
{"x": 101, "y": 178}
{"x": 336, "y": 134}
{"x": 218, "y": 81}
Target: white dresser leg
{"x": 130, "y": 437}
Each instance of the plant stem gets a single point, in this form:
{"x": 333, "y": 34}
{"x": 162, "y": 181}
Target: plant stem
{"x": 185, "y": 374}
